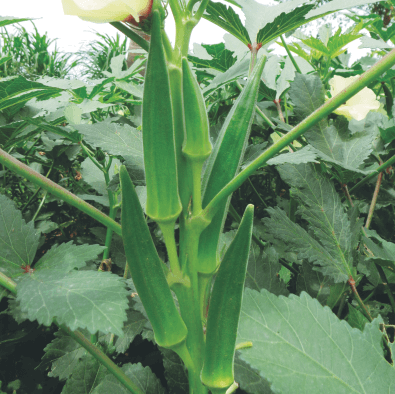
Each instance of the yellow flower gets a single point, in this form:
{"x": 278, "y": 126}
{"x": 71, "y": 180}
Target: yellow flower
{"x": 356, "y": 107}
{"x": 100, "y": 11}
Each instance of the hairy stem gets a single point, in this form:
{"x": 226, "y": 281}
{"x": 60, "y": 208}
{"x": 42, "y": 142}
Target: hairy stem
{"x": 56, "y": 190}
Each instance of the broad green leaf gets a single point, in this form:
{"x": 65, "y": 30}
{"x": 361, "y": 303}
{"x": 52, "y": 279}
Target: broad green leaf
{"x": 238, "y": 70}
{"x": 87, "y": 374}
{"x": 222, "y": 58}
{"x": 143, "y": 377}
{"x": 283, "y": 23}
{"x": 18, "y": 240}
{"x": 67, "y": 256}
{"x": 356, "y": 318}
{"x": 338, "y": 41}
{"x": 379, "y": 251}
{"x": 175, "y": 372}
{"x": 132, "y": 327}
{"x": 295, "y": 239}
{"x": 95, "y": 178}
{"x": 249, "y": 378}
{"x": 115, "y": 139}
{"x": 304, "y": 155}
{"x": 79, "y": 299}
{"x": 322, "y": 208}
{"x": 303, "y": 348}
{"x": 313, "y": 283}
{"x": 64, "y": 353}
{"x": 225, "y": 17}
{"x": 333, "y": 143}
{"x": 15, "y": 92}
{"x": 262, "y": 271}
{"x": 307, "y": 94}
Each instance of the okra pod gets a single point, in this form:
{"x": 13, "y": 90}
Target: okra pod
{"x": 197, "y": 146}
{"x": 224, "y": 163}
{"x": 147, "y": 271}
{"x": 163, "y": 200}
{"x": 224, "y": 311}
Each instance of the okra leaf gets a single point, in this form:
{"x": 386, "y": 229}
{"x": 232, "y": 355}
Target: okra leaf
{"x": 249, "y": 378}
{"x": 238, "y": 70}
{"x": 356, "y": 318}
{"x": 86, "y": 375}
{"x": 283, "y": 23}
{"x": 307, "y": 94}
{"x": 322, "y": 208}
{"x": 262, "y": 271}
{"x": 301, "y": 347}
{"x": 67, "y": 256}
{"x": 222, "y": 58}
{"x": 18, "y": 239}
{"x": 225, "y": 17}
{"x": 175, "y": 373}
{"x": 313, "y": 283}
{"x": 95, "y": 178}
{"x": 294, "y": 238}
{"x": 15, "y": 92}
{"x": 63, "y": 353}
{"x": 304, "y": 155}
{"x": 79, "y": 299}
{"x": 114, "y": 139}
{"x": 143, "y": 377}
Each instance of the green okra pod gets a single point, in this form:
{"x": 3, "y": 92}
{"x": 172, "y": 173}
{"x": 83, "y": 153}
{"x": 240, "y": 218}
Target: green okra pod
{"x": 197, "y": 144}
{"x": 224, "y": 163}
{"x": 224, "y": 311}
{"x": 147, "y": 271}
{"x": 163, "y": 200}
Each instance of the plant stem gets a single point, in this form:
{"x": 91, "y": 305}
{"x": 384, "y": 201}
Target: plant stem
{"x": 382, "y": 65}
{"x": 351, "y": 282}
{"x": 290, "y": 55}
{"x": 56, "y": 190}
{"x": 379, "y": 169}
{"x": 385, "y": 282}
{"x": 131, "y": 34}
{"x": 256, "y": 192}
{"x": 40, "y": 206}
{"x": 374, "y": 200}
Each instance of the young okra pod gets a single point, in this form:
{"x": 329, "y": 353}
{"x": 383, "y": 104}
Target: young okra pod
{"x": 147, "y": 271}
{"x": 224, "y": 311}
{"x": 224, "y": 163}
{"x": 197, "y": 146}
{"x": 163, "y": 201}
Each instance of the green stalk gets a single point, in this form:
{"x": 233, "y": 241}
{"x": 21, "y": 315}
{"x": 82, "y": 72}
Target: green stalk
{"x": 290, "y": 55}
{"x": 374, "y": 72}
{"x": 131, "y": 34}
{"x": 10, "y": 285}
{"x": 377, "y": 171}
{"x": 26, "y": 172}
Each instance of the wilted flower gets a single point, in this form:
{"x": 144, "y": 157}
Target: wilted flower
{"x": 358, "y": 106}
{"x": 100, "y": 11}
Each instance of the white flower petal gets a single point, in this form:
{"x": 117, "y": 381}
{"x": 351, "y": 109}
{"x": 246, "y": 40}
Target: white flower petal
{"x": 358, "y": 106}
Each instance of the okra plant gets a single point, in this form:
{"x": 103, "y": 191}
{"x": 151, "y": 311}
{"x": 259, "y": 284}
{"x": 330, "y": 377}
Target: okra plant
{"x": 215, "y": 303}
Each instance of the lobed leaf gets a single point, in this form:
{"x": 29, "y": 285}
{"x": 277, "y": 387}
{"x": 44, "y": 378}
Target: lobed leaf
{"x": 79, "y": 299}
{"x": 303, "y": 348}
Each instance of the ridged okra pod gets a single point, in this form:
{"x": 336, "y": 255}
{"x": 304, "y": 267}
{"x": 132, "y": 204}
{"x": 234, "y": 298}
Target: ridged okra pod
{"x": 147, "y": 270}
{"x": 224, "y": 163}
{"x": 163, "y": 201}
{"x": 224, "y": 311}
{"x": 197, "y": 146}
